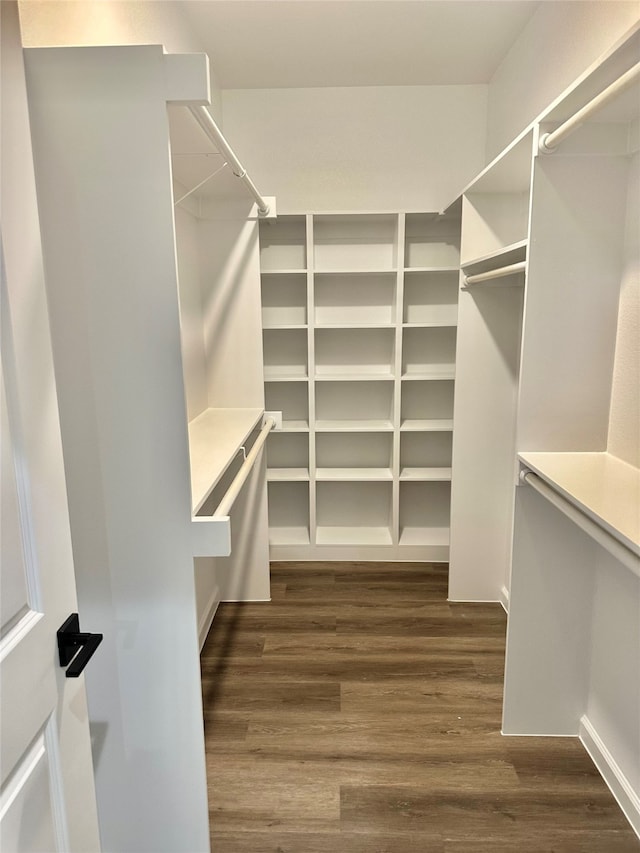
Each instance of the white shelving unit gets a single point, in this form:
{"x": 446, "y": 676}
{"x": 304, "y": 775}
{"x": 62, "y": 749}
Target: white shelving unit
{"x": 360, "y": 358}
{"x": 545, "y": 509}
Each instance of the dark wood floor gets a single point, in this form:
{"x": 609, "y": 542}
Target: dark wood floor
{"x": 359, "y": 712}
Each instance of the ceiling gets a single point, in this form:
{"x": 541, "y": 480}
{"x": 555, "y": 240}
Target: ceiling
{"x": 315, "y": 43}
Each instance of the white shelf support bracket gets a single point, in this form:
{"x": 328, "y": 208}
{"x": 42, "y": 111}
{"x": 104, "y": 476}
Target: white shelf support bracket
{"x": 213, "y": 132}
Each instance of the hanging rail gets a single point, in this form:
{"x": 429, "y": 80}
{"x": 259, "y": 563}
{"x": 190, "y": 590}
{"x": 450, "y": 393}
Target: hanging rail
{"x": 208, "y": 125}
{"x": 616, "y": 548}
{"x": 233, "y": 491}
{"x": 500, "y": 272}
{"x": 550, "y": 141}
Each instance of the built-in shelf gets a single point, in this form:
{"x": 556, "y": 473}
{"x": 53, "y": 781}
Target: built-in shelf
{"x": 433, "y": 372}
{"x": 215, "y": 438}
{"x": 426, "y": 474}
{"x": 604, "y": 488}
{"x": 354, "y": 426}
{"x": 359, "y": 356}
{"x": 427, "y": 425}
{"x": 360, "y": 536}
{"x": 505, "y": 256}
{"x": 287, "y": 474}
{"x": 339, "y": 474}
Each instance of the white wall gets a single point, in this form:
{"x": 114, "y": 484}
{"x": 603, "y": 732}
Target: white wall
{"x": 96, "y": 22}
{"x": 559, "y": 43}
{"x": 368, "y": 148}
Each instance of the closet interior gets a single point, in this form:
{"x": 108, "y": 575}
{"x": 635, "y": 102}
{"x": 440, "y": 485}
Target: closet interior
{"x": 455, "y": 385}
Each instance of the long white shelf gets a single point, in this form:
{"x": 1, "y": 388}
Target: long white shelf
{"x": 353, "y": 535}
{"x": 425, "y": 475}
{"x": 353, "y": 376}
{"x": 287, "y": 475}
{"x": 427, "y": 425}
{"x": 288, "y": 535}
{"x": 424, "y": 536}
{"x": 215, "y": 437}
{"x": 340, "y": 474}
{"x": 511, "y": 254}
{"x": 603, "y": 487}
{"x": 353, "y": 426}
{"x": 433, "y": 372}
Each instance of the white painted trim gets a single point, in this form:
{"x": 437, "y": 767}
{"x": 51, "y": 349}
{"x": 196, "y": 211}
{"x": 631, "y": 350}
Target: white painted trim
{"x": 206, "y": 620}
{"x": 619, "y": 785}
{"x": 504, "y": 598}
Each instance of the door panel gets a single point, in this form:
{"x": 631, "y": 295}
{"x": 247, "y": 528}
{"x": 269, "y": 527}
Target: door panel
{"x": 47, "y": 798}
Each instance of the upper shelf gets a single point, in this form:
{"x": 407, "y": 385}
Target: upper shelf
{"x": 603, "y": 487}
{"x": 502, "y": 257}
{"x": 215, "y": 437}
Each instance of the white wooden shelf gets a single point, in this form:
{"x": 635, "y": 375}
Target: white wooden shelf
{"x": 502, "y": 257}
{"x": 433, "y": 372}
{"x": 354, "y": 426}
{"x": 288, "y": 536}
{"x": 287, "y": 474}
{"x": 447, "y": 269}
{"x": 604, "y": 488}
{"x": 284, "y": 374}
{"x": 446, "y": 322}
{"x": 354, "y": 325}
{"x": 424, "y": 536}
{"x": 427, "y": 425}
{"x": 294, "y": 426}
{"x": 215, "y": 438}
{"x": 343, "y": 474}
{"x": 267, "y": 326}
{"x": 426, "y": 475}
{"x": 283, "y": 272}
{"x": 349, "y": 375}
{"x": 353, "y": 536}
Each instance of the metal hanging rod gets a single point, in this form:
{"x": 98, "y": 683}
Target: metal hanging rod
{"x": 618, "y": 549}
{"x": 550, "y": 141}
{"x": 500, "y": 272}
{"x": 233, "y": 491}
{"x": 208, "y": 125}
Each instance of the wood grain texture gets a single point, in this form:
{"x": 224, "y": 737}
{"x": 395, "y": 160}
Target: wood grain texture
{"x": 359, "y": 712}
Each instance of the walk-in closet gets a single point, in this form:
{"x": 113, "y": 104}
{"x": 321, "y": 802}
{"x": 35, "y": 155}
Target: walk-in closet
{"x": 321, "y": 426}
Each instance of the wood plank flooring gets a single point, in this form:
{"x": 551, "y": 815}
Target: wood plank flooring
{"x": 359, "y": 712}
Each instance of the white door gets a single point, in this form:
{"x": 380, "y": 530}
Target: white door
{"x": 47, "y": 799}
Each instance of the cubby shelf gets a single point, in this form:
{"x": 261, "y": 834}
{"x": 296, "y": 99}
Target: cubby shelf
{"x": 359, "y": 356}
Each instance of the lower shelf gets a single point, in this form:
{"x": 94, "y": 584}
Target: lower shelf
{"x": 289, "y": 536}
{"x": 424, "y": 536}
{"x": 353, "y": 536}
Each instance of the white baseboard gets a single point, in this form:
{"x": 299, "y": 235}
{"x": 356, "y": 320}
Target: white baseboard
{"x": 504, "y": 598}
{"x": 619, "y": 785}
{"x": 206, "y": 618}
